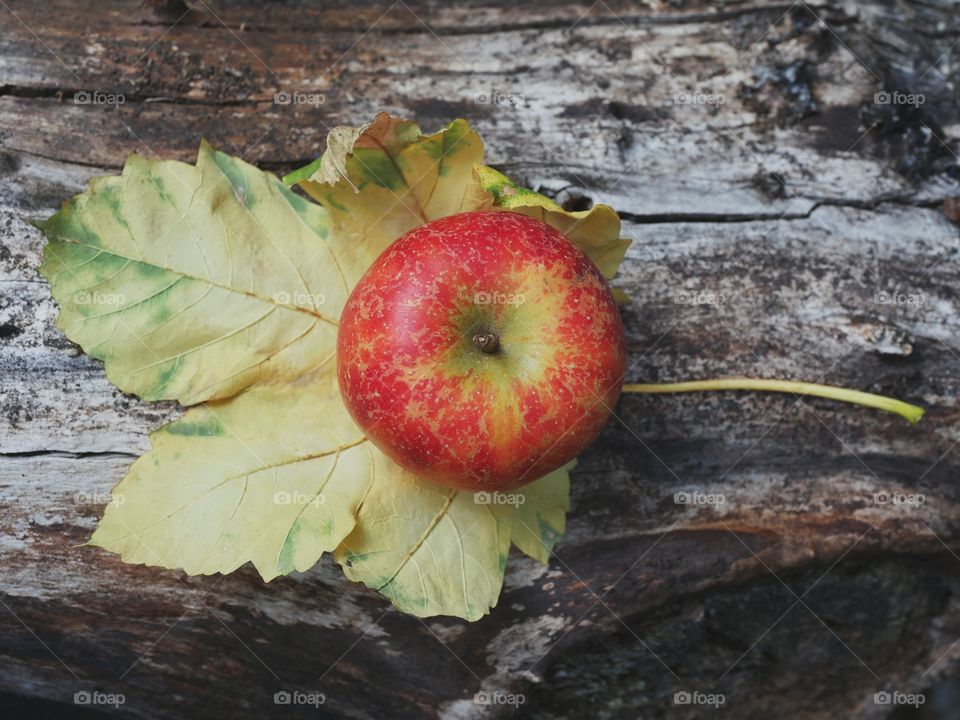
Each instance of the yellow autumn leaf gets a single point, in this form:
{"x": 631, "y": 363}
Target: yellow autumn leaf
{"x": 595, "y": 231}
{"x": 218, "y": 284}
{"x": 379, "y": 181}
{"x": 541, "y": 518}
{"x": 273, "y": 476}
{"x": 431, "y": 550}
{"x": 193, "y": 282}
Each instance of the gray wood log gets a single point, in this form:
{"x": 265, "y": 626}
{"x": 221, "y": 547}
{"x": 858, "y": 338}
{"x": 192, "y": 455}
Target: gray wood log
{"x": 785, "y": 224}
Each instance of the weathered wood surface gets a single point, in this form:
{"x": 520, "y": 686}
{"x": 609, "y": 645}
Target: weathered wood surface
{"x": 795, "y": 207}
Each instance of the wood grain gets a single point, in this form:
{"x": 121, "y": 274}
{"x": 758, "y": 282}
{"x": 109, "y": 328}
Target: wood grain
{"x": 785, "y": 224}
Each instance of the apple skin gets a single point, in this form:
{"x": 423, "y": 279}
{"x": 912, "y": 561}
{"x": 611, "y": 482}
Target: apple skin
{"x": 481, "y": 351}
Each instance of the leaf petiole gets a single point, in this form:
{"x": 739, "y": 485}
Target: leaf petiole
{"x": 912, "y": 413}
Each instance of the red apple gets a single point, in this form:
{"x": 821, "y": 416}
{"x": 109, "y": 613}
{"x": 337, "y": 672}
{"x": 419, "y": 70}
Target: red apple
{"x": 481, "y": 351}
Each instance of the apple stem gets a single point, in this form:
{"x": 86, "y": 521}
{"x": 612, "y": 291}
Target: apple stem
{"x": 912, "y": 413}
{"x": 486, "y": 342}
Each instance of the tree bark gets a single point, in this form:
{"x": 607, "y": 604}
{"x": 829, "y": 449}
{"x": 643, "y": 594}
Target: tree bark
{"x": 787, "y": 221}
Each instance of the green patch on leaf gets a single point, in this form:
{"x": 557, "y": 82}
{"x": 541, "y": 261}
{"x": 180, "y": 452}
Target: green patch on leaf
{"x": 207, "y": 427}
